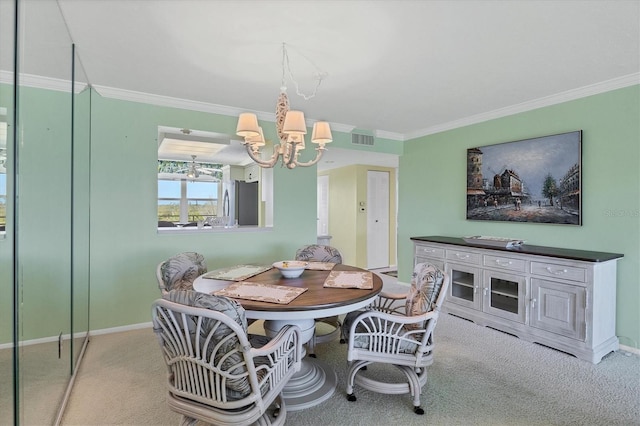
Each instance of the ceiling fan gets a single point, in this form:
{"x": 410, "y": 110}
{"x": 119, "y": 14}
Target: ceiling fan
{"x": 195, "y": 169}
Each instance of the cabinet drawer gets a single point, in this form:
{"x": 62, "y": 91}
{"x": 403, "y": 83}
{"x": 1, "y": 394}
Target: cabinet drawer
{"x": 431, "y": 261}
{"x": 504, "y": 263}
{"x": 463, "y": 256}
{"x": 429, "y": 251}
{"x": 559, "y": 271}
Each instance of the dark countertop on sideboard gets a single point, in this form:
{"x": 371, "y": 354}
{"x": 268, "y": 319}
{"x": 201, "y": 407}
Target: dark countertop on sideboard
{"x": 584, "y": 255}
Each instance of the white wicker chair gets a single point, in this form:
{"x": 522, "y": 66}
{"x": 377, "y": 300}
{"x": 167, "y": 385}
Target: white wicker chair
{"x": 397, "y": 329}
{"x": 322, "y": 253}
{"x": 215, "y": 375}
{"x": 179, "y": 271}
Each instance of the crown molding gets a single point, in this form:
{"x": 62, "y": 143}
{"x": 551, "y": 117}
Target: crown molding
{"x": 41, "y": 82}
{"x": 6, "y": 77}
{"x": 389, "y": 135}
{"x": 167, "y": 101}
{"x": 569, "y": 95}
{"x": 345, "y": 128}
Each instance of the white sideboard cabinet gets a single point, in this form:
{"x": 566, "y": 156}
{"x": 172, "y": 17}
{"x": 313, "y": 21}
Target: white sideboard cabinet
{"x": 561, "y": 298}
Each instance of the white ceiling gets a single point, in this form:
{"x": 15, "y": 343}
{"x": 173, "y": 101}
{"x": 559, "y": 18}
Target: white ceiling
{"x": 400, "y": 69}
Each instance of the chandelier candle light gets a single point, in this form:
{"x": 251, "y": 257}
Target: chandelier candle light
{"x": 291, "y": 128}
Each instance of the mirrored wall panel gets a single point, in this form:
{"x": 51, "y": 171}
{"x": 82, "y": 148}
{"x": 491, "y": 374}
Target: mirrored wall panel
{"x": 7, "y": 50}
{"x": 44, "y": 224}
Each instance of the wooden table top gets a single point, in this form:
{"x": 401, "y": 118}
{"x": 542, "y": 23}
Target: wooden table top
{"x": 316, "y": 297}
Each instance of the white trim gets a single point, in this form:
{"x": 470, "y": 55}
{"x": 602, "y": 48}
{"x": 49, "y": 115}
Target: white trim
{"x": 345, "y": 128}
{"x": 123, "y": 328}
{"x": 630, "y": 350}
{"x": 167, "y": 101}
{"x": 143, "y": 325}
{"x": 133, "y": 96}
{"x": 389, "y": 135}
{"x": 50, "y": 339}
{"x": 569, "y": 95}
{"x": 67, "y": 336}
{"x": 41, "y": 82}
{"x": 6, "y": 77}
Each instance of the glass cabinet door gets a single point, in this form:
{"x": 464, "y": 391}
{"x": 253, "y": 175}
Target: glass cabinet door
{"x": 504, "y": 295}
{"x": 465, "y": 286}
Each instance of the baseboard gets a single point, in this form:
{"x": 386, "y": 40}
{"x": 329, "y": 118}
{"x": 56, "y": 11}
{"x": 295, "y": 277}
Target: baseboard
{"x": 387, "y": 269}
{"x": 122, "y": 328}
{"x": 629, "y": 349}
{"x": 50, "y": 339}
{"x": 624, "y": 348}
{"x": 66, "y": 337}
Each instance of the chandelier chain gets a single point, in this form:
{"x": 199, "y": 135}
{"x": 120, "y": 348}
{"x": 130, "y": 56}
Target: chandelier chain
{"x": 286, "y": 66}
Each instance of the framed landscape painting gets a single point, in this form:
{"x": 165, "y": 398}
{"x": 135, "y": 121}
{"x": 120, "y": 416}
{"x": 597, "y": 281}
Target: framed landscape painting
{"x": 534, "y": 180}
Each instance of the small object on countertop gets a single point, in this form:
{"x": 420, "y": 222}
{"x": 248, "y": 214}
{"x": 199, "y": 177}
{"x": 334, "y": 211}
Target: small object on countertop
{"x": 494, "y": 241}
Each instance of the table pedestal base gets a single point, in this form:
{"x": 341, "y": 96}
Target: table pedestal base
{"x": 315, "y": 382}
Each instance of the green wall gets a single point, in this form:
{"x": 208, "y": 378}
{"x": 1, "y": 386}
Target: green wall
{"x": 44, "y": 215}
{"x": 125, "y": 245}
{"x": 432, "y": 188}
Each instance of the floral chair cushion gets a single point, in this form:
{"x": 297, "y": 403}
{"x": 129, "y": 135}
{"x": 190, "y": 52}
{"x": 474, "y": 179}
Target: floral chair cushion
{"x": 426, "y": 283}
{"x": 319, "y": 253}
{"x": 180, "y": 271}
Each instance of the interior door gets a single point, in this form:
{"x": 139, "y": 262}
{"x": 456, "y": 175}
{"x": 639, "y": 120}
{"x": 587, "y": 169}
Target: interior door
{"x": 323, "y": 205}
{"x": 377, "y": 219}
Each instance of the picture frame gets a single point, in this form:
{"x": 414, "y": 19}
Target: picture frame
{"x": 537, "y": 180}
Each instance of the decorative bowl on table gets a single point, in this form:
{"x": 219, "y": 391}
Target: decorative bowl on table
{"x": 291, "y": 268}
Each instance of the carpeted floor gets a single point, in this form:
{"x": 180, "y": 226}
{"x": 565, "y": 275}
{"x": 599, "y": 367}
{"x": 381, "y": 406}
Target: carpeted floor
{"x": 480, "y": 377}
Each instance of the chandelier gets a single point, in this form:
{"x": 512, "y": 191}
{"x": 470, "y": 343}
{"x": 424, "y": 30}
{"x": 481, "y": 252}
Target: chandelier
{"x": 290, "y": 125}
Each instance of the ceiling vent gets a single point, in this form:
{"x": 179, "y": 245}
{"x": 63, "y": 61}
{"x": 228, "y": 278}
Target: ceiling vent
{"x": 359, "y": 139}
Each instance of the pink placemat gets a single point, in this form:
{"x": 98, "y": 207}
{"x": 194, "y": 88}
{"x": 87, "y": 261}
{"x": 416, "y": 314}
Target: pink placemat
{"x": 261, "y": 292}
{"x": 320, "y": 266}
{"x": 349, "y": 279}
{"x": 236, "y": 272}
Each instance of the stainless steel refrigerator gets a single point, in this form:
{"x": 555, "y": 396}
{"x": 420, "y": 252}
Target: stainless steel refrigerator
{"x": 240, "y": 203}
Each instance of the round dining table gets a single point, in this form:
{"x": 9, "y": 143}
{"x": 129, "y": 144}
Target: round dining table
{"x": 316, "y": 381}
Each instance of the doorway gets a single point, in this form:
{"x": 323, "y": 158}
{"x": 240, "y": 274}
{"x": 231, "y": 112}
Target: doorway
{"x": 377, "y": 219}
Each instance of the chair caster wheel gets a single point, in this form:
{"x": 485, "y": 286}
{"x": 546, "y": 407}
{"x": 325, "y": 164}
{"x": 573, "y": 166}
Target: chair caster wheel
{"x": 343, "y": 341}
{"x": 351, "y": 397}
{"x": 313, "y": 355}
{"x": 418, "y": 410}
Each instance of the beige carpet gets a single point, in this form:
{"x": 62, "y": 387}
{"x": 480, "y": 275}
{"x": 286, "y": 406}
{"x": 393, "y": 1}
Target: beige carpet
{"x": 42, "y": 383}
{"x": 480, "y": 377}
